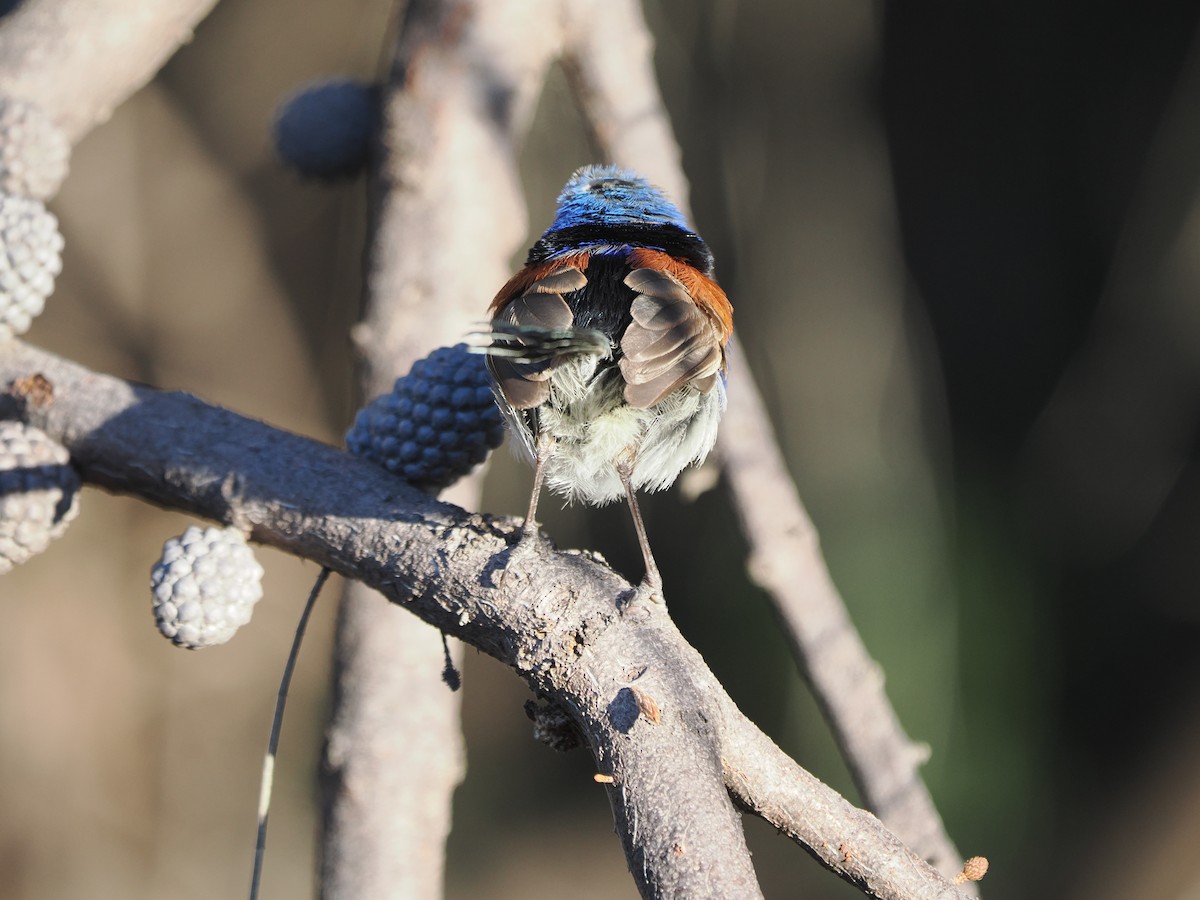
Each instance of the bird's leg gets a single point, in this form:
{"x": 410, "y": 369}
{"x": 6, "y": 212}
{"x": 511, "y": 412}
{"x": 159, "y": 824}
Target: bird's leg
{"x": 528, "y": 540}
{"x": 542, "y": 454}
{"x": 652, "y": 580}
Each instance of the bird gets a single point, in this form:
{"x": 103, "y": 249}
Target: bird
{"x": 606, "y": 351}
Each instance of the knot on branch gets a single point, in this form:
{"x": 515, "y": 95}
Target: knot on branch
{"x": 552, "y": 726}
{"x": 630, "y": 704}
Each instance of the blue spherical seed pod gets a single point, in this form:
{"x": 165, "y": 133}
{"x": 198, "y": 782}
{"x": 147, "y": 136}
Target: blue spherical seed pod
{"x": 325, "y": 129}
{"x": 437, "y": 424}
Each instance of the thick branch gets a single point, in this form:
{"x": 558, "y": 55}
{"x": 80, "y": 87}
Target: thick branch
{"x": 80, "y": 59}
{"x": 615, "y": 84}
{"x": 448, "y": 209}
{"x": 554, "y": 620}
{"x": 463, "y": 79}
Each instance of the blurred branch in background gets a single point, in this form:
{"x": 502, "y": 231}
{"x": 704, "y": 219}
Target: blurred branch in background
{"x": 1112, "y": 462}
{"x": 80, "y": 72}
{"x": 446, "y": 216}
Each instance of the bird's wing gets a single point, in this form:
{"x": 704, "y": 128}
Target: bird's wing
{"x": 669, "y": 343}
{"x": 531, "y": 332}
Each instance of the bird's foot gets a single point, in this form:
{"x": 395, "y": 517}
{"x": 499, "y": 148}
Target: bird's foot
{"x": 528, "y": 540}
{"x": 650, "y": 590}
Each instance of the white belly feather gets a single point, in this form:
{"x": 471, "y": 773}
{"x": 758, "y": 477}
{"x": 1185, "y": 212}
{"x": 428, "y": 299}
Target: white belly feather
{"x": 593, "y": 427}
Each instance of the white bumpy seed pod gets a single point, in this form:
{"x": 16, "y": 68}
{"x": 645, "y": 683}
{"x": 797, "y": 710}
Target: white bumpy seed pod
{"x": 39, "y": 492}
{"x": 30, "y": 258}
{"x": 205, "y": 586}
{"x": 33, "y": 151}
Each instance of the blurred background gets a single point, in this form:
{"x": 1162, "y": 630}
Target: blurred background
{"x": 963, "y": 243}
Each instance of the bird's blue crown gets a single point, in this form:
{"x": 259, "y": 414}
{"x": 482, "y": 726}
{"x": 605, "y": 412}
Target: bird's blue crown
{"x": 611, "y": 207}
{"x": 612, "y": 196}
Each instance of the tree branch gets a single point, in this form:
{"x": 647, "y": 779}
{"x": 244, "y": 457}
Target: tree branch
{"x": 785, "y": 560}
{"x": 769, "y": 783}
{"x": 562, "y": 620}
{"x": 463, "y": 81}
{"x": 609, "y": 61}
{"x": 80, "y": 59}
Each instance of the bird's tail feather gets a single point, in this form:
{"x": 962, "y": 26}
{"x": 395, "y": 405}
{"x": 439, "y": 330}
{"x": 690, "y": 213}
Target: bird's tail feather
{"x": 537, "y": 344}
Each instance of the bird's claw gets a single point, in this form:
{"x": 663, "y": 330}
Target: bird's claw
{"x": 650, "y": 591}
{"x": 528, "y": 540}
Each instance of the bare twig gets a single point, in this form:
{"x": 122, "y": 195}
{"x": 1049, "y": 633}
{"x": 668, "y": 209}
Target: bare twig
{"x": 80, "y": 59}
{"x": 555, "y": 620}
{"x": 785, "y": 559}
{"x": 615, "y": 84}
{"x": 766, "y": 781}
{"x": 268, "y": 773}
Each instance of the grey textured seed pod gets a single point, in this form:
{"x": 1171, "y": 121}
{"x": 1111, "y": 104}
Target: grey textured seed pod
{"x": 204, "y": 586}
{"x": 30, "y": 259}
{"x": 39, "y": 492}
{"x": 34, "y": 151}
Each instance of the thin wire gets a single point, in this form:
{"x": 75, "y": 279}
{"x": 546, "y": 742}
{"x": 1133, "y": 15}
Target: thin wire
{"x": 268, "y": 770}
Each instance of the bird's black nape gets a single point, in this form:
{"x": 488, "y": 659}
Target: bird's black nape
{"x": 670, "y": 239}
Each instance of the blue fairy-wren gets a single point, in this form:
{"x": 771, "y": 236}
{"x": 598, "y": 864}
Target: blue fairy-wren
{"x": 607, "y": 350}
